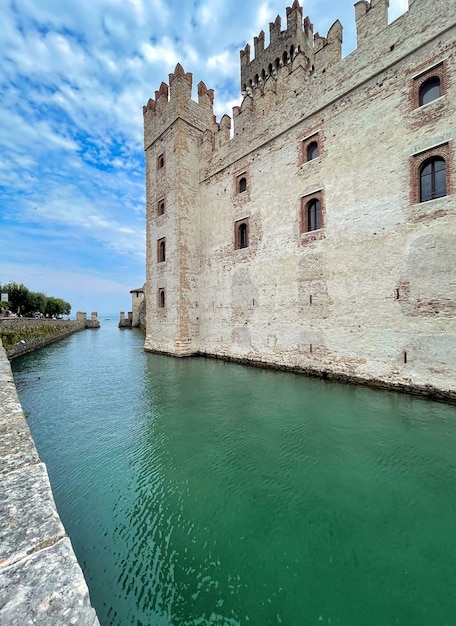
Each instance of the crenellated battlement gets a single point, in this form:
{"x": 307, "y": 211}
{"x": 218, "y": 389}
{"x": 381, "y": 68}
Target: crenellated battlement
{"x": 174, "y": 100}
{"x": 283, "y": 47}
{"x": 295, "y": 61}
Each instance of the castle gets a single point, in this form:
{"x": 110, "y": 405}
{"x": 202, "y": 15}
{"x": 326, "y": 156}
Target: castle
{"x": 316, "y": 230}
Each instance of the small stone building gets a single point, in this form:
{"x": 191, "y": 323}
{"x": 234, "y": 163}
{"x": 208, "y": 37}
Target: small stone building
{"x": 315, "y": 230}
{"x": 137, "y": 306}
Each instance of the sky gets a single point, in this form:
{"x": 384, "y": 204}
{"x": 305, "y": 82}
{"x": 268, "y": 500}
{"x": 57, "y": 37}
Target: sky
{"x": 74, "y": 77}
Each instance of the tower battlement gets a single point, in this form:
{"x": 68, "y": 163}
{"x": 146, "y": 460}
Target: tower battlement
{"x": 174, "y": 100}
{"x": 283, "y": 46}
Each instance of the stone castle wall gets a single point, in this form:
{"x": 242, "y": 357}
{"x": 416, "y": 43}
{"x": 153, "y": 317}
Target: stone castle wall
{"x": 370, "y": 295}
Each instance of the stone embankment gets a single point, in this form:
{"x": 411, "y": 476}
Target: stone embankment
{"x": 41, "y": 581}
{"x": 21, "y": 335}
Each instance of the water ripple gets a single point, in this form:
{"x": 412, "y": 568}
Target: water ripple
{"x": 202, "y": 493}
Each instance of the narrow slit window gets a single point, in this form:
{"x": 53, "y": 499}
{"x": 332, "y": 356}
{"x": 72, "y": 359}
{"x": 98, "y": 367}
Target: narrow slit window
{"x": 243, "y": 236}
{"x": 161, "y": 250}
{"x": 313, "y": 215}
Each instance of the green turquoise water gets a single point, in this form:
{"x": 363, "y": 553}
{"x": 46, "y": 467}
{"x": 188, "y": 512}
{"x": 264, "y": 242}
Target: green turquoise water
{"x": 198, "y": 492}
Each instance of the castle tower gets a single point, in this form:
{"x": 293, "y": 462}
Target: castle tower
{"x": 173, "y": 129}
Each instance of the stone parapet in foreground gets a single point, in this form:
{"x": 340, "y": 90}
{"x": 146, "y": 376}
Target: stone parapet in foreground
{"x": 41, "y": 581}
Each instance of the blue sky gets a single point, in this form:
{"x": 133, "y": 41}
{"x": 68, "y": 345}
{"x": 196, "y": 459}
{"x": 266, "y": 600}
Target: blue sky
{"x": 74, "y": 76}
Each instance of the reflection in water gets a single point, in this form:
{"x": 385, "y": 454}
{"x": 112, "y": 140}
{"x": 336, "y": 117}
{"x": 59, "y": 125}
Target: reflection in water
{"x": 197, "y": 492}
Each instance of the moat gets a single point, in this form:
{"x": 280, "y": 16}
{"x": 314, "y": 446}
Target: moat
{"x": 201, "y": 492}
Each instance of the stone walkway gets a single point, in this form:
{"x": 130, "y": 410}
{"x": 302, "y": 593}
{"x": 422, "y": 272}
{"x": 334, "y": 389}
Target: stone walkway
{"x": 41, "y": 582}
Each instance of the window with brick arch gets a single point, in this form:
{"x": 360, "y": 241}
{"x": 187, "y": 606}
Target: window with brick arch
{"x": 241, "y": 234}
{"x": 433, "y": 179}
{"x": 313, "y": 215}
{"x": 429, "y": 85}
{"x": 429, "y": 90}
{"x": 310, "y": 147}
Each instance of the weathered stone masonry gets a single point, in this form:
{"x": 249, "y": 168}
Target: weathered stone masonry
{"x": 40, "y": 579}
{"x": 302, "y": 241}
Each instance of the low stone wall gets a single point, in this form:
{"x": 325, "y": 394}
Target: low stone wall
{"x": 40, "y": 579}
{"x": 21, "y": 335}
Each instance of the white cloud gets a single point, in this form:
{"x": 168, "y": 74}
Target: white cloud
{"x": 222, "y": 63}
{"x": 164, "y": 51}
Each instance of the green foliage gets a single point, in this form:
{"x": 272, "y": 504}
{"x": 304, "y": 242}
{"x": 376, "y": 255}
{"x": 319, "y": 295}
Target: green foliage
{"x": 57, "y": 306}
{"x": 17, "y": 296}
{"x": 9, "y": 338}
{"x": 24, "y": 302}
{"x": 36, "y": 302}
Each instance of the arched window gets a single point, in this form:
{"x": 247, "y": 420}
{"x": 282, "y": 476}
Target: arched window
{"x": 263, "y": 75}
{"x": 429, "y": 90}
{"x": 312, "y": 150}
{"x": 270, "y": 69}
{"x": 285, "y": 57}
{"x": 161, "y": 161}
{"x": 161, "y": 207}
{"x": 313, "y": 215}
{"x": 432, "y": 179}
{"x": 243, "y": 236}
{"x": 161, "y": 298}
{"x": 292, "y": 51}
{"x": 161, "y": 250}
{"x": 242, "y": 184}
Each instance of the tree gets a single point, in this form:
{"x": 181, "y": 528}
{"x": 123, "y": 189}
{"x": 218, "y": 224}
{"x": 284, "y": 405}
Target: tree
{"x": 57, "y": 306}
{"x": 17, "y": 296}
{"x": 27, "y": 303}
{"x": 36, "y": 303}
